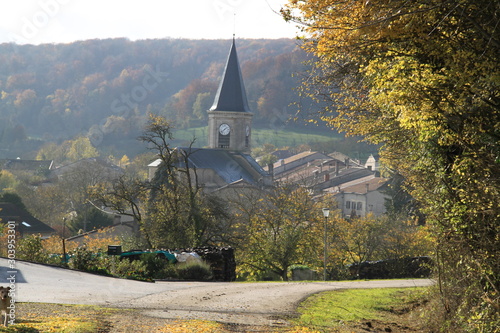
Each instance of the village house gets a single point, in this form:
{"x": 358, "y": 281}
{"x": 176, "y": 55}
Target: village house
{"x": 357, "y": 187}
{"x": 25, "y": 223}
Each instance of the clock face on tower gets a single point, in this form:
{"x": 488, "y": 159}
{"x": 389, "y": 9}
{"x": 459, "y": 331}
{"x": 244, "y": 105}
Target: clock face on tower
{"x": 224, "y": 129}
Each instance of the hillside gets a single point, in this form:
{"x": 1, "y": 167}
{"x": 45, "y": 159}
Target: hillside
{"x": 104, "y": 88}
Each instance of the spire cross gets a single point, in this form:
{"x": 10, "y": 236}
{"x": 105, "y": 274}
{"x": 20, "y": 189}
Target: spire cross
{"x": 234, "y": 25}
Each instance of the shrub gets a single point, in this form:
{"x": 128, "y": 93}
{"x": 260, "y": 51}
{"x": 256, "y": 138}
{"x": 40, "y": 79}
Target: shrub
{"x": 156, "y": 267}
{"x": 194, "y": 270}
{"x": 30, "y": 248}
{"x": 83, "y": 259}
{"x": 131, "y": 269}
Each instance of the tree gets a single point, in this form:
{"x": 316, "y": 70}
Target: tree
{"x": 422, "y": 79}
{"x": 280, "y": 229}
{"x": 358, "y": 239}
{"x": 89, "y": 218}
{"x": 172, "y": 209}
{"x": 125, "y": 195}
{"x": 68, "y": 151}
{"x": 7, "y": 180}
{"x": 180, "y": 214}
{"x": 13, "y": 198}
{"x": 81, "y": 148}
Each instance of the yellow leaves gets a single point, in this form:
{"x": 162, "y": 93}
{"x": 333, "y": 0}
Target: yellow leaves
{"x": 193, "y": 326}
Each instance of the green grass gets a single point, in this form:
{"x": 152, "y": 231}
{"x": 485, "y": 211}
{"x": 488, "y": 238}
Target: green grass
{"x": 335, "y": 308}
{"x": 278, "y": 138}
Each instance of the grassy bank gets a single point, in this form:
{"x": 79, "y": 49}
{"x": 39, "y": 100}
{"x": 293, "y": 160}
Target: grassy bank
{"x": 345, "y": 310}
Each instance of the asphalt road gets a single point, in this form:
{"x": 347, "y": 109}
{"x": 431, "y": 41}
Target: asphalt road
{"x": 232, "y": 302}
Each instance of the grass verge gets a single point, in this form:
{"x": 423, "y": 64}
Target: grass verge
{"x": 346, "y": 310}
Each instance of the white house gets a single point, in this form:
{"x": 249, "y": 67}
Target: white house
{"x": 362, "y": 198}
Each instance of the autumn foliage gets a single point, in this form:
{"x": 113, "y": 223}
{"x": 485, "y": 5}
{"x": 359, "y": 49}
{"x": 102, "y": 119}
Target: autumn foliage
{"x": 421, "y": 78}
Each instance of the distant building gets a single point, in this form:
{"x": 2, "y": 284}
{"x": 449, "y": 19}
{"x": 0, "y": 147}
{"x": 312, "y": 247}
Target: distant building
{"x": 25, "y": 223}
{"x": 104, "y": 168}
{"x": 361, "y": 198}
{"x": 123, "y": 227}
{"x": 26, "y": 165}
{"x": 230, "y": 118}
{"x": 372, "y": 163}
{"x": 356, "y": 188}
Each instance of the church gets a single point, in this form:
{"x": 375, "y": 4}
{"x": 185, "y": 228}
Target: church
{"x": 226, "y": 162}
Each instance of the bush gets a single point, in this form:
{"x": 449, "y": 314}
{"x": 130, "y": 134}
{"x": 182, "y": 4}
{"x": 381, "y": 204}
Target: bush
{"x": 30, "y": 248}
{"x": 85, "y": 260}
{"x": 131, "y": 269}
{"x": 195, "y": 271}
{"x": 156, "y": 267}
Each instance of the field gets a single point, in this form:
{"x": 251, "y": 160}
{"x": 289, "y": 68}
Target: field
{"x": 279, "y": 137}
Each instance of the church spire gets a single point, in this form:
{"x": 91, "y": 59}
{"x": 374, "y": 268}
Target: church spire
{"x": 231, "y": 95}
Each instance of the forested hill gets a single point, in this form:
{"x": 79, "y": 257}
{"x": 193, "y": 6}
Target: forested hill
{"x": 103, "y": 88}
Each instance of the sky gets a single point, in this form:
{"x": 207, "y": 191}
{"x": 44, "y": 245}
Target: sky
{"x": 64, "y": 21}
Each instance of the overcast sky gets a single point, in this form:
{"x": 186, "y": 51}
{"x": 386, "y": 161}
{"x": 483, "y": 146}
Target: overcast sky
{"x": 63, "y": 21}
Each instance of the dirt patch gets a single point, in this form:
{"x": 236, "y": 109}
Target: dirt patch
{"x": 50, "y": 317}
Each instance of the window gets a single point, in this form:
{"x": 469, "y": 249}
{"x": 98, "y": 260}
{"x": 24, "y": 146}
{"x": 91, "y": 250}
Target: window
{"x": 360, "y": 206}
{"x": 224, "y": 141}
{"x": 348, "y": 204}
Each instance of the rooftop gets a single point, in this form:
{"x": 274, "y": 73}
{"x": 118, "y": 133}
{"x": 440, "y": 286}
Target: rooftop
{"x": 231, "y": 95}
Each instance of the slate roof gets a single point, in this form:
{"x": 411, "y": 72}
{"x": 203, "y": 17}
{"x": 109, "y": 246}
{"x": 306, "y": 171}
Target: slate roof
{"x": 27, "y": 223}
{"x": 230, "y": 166}
{"x": 231, "y": 95}
{"x": 30, "y": 165}
{"x": 347, "y": 176}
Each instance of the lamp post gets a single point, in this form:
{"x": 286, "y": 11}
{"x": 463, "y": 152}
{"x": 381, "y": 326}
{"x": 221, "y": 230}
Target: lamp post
{"x": 63, "y": 241}
{"x": 326, "y": 213}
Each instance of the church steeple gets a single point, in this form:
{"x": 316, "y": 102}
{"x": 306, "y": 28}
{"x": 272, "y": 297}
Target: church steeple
{"x": 231, "y": 95}
{"x": 230, "y": 118}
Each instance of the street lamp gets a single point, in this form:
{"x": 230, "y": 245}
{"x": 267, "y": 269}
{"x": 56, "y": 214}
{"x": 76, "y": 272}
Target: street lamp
{"x": 326, "y": 213}
{"x": 64, "y": 242}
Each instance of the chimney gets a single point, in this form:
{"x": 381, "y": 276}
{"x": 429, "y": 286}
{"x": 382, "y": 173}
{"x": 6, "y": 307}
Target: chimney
{"x": 337, "y": 168}
{"x": 270, "y": 169}
{"x": 327, "y": 177}
{"x": 346, "y": 161}
{"x": 367, "y": 187}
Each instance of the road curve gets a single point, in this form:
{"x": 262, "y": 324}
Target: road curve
{"x": 230, "y": 302}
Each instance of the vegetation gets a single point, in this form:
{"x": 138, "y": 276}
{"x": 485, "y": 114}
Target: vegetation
{"x": 196, "y": 271}
{"x": 422, "y": 80}
{"x": 340, "y": 310}
{"x": 278, "y": 229}
{"x": 104, "y": 89}
{"x": 286, "y": 136}
{"x": 271, "y": 230}
{"x": 172, "y": 210}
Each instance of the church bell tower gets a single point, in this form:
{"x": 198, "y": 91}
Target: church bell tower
{"x": 230, "y": 118}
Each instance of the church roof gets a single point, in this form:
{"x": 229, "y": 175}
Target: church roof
{"x": 230, "y": 166}
{"x": 231, "y": 95}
